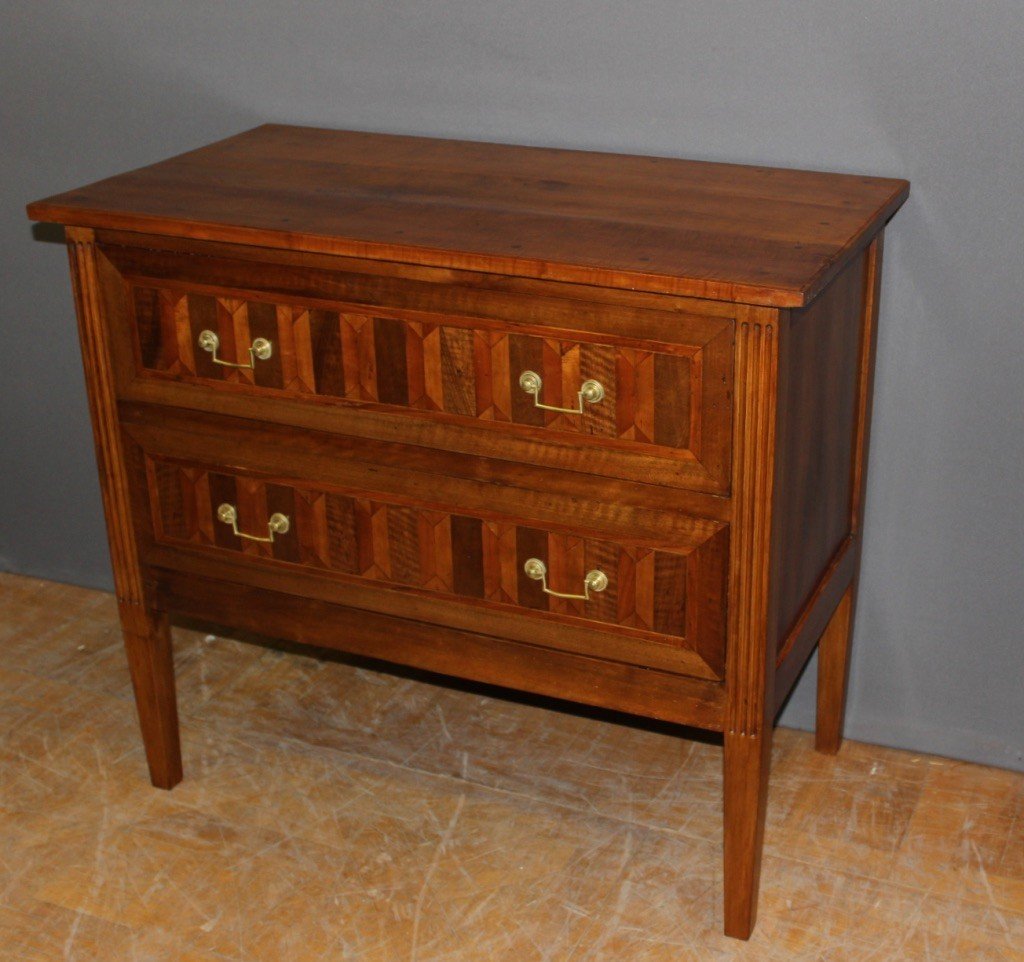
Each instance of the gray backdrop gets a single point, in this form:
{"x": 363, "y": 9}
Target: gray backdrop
{"x": 931, "y": 90}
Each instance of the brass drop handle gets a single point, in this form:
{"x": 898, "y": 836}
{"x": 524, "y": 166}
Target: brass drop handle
{"x": 594, "y": 581}
{"x": 278, "y": 524}
{"x": 259, "y": 350}
{"x": 590, "y": 391}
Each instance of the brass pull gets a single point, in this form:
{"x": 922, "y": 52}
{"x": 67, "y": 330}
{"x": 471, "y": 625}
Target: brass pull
{"x": 590, "y": 391}
{"x": 259, "y": 350}
{"x": 278, "y": 524}
{"x": 594, "y": 581}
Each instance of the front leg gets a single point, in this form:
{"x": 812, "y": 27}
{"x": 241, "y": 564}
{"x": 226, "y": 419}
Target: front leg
{"x": 147, "y": 643}
{"x": 747, "y": 758}
{"x": 147, "y": 637}
{"x": 751, "y": 650}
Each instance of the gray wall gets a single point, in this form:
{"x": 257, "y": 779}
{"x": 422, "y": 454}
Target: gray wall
{"x": 925, "y": 89}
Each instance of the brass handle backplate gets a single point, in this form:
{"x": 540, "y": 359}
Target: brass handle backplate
{"x": 594, "y": 581}
{"x": 590, "y": 391}
{"x": 259, "y": 350}
{"x": 278, "y": 524}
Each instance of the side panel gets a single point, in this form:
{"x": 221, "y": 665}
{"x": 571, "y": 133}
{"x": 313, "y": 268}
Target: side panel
{"x": 815, "y": 467}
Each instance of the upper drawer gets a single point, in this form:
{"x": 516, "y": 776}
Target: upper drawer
{"x": 634, "y": 393}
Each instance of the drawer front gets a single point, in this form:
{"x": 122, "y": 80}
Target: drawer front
{"x": 624, "y": 383}
{"x": 641, "y": 396}
{"x": 661, "y": 604}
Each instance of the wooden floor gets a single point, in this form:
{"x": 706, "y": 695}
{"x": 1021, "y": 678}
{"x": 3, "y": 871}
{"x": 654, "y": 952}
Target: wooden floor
{"x": 331, "y": 811}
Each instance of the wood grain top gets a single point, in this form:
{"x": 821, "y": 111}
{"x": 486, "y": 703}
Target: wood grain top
{"x": 756, "y": 235}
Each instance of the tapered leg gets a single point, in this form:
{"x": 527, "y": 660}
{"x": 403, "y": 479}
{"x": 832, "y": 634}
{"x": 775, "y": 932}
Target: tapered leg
{"x": 750, "y": 648}
{"x": 147, "y": 642}
{"x": 747, "y": 759}
{"x": 147, "y": 638}
{"x": 833, "y": 676}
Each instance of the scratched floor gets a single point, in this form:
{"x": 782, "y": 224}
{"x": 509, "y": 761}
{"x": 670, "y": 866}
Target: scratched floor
{"x": 331, "y": 811}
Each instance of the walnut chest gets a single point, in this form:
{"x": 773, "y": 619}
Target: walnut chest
{"x": 587, "y": 425}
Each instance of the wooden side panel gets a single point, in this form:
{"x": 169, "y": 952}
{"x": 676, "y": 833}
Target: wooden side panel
{"x": 452, "y": 553}
{"x": 829, "y": 612}
{"x": 814, "y": 485}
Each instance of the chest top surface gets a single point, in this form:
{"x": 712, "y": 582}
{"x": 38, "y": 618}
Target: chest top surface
{"x": 758, "y": 235}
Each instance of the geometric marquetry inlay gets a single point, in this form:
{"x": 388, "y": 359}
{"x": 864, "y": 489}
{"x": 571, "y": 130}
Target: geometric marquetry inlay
{"x": 652, "y": 397}
{"x": 438, "y": 551}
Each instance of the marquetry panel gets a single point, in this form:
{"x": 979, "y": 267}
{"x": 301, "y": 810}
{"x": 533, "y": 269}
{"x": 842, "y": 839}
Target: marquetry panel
{"x": 654, "y": 593}
{"x": 657, "y": 396}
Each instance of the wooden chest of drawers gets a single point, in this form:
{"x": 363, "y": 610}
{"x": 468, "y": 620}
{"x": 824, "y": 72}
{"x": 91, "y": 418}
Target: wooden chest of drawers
{"x": 586, "y": 425}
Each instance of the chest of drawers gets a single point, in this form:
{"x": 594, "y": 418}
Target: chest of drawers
{"x": 586, "y": 425}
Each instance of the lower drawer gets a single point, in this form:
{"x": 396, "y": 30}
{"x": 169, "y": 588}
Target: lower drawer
{"x": 657, "y": 605}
